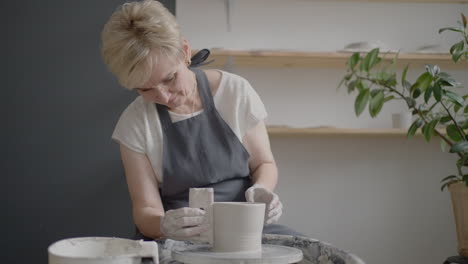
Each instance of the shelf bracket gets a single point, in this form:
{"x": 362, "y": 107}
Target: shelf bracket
{"x": 229, "y": 65}
{"x": 228, "y": 9}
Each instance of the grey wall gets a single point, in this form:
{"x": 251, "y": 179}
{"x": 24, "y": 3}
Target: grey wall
{"x": 377, "y": 196}
{"x": 63, "y": 174}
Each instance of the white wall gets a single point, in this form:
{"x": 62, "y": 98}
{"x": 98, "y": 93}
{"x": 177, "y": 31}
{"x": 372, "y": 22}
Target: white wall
{"x": 377, "y": 197}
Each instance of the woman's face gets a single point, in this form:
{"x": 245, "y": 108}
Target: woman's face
{"x": 170, "y": 84}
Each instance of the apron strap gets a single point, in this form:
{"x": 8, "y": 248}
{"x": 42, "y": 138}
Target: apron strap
{"x": 204, "y": 89}
{"x": 197, "y": 60}
{"x": 164, "y": 117}
{"x": 200, "y": 57}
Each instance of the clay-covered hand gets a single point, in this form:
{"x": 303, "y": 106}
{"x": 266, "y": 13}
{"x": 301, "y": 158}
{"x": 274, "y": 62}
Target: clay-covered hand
{"x": 184, "y": 224}
{"x": 273, "y": 206}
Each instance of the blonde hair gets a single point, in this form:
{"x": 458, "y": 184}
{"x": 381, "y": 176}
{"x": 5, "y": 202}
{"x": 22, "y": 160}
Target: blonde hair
{"x": 136, "y": 35}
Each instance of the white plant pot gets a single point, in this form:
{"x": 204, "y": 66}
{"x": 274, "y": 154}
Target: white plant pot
{"x": 459, "y": 194}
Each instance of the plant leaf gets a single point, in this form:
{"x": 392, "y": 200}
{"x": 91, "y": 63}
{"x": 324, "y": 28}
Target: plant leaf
{"x": 416, "y": 93}
{"x": 353, "y": 60}
{"x": 407, "y": 85}
{"x": 457, "y": 55}
{"x": 364, "y": 65}
{"x": 449, "y": 177}
{"x": 360, "y": 85}
{"x": 455, "y": 98}
{"x": 464, "y": 20}
{"x": 351, "y": 86}
{"x": 340, "y": 84}
{"x": 448, "y": 181}
{"x": 428, "y": 93}
{"x": 410, "y": 102}
{"x": 361, "y": 101}
{"x": 373, "y": 58}
{"x": 465, "y": 178}
{"x": 453, "y": 133}
{"x": 437, "y": 92}
{"x": 376, "y": 103}
{"x": 428, "y": 129}
{"x": 447, "y": 80}
{"x": 443, "y": 145}
{"x": 423, "y": 81}
{"x": 403, "y": 76}
{"x": 387, "y": 78}
{"x": 370, "y": 60}
{"x": 461, "y": 146}
{"x": 462, "y": 161}
{"x": 413, "y": 128}
{"x": 391, "y": 97}
{"x": 445, "y": 119}
{"x": 444, "y": 75}
{"x": 457, "y": 47}
{"x": 434, "y": 70}
{"x": 451, "y": 29}
{"x": 445, "y": 185}
{"x": 374, "y": 92}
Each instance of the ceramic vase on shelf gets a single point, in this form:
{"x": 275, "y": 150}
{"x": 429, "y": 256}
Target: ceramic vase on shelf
{"x": 459, "y": 194}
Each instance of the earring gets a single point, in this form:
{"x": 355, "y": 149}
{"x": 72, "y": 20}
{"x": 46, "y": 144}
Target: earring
{"x": 188, "y": 62}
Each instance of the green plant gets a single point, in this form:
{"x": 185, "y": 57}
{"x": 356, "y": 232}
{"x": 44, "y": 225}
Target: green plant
{"x": 431, "y": 98}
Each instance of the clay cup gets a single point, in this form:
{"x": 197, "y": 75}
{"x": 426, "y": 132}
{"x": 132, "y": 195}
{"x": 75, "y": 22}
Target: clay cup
{"x": 237, "y": 226}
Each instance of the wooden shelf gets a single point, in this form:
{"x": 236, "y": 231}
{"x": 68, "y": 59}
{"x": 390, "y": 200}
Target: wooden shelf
{"x": 331, "y": 131}
{"x": 409, "y": 1}
{"x": 297, "y": 59}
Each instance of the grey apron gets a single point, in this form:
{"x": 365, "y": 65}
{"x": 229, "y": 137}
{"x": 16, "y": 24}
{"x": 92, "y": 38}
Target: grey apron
{"x": 203, "y": 152}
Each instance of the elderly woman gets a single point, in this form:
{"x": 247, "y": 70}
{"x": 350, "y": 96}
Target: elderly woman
{"x": 188, "y": 128}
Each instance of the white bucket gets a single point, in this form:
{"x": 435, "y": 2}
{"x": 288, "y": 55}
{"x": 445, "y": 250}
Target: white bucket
{"x": 102, "y": 250}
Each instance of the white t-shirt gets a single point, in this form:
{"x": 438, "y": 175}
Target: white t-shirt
{"x": 140, "y": 130}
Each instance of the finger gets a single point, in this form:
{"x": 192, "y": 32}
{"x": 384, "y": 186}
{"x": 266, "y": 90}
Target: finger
{"x": 275, "y": 211}
{"x": 191, "y": 231}
{"x": 273, "y": 219}
{"x": 275, "y": 202}
{"x": 184, "y": 211}
{"x": 189, "y": 221}
{"x": 196, "y": 238}
{"x": 274, "y": 214}
{"x": 249, "y": 195}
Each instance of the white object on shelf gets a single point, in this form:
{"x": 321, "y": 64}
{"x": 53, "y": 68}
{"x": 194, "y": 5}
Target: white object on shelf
{"x": 366, "y": 46}
{"x": 431, "y": 49}
{"x": 402, "y": 120}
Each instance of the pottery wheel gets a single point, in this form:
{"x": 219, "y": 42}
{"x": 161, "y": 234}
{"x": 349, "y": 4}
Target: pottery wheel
{"x": 271, "y": 254}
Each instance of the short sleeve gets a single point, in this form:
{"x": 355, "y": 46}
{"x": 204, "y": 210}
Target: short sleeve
{"x": 130, "y": 129}
{"x": 253, "y": 107}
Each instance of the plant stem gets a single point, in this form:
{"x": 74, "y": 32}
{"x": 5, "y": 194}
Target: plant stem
{"x": 450, "y": 143}
{"x": 454, "y": 121}
{"x": 460, "y": 171}
{"x": 373, "y": 81}
{"x": 466, "y": 36}
{"x": 432, "y": 106}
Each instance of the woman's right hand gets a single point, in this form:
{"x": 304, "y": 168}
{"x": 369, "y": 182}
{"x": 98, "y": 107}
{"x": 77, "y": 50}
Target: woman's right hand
{"x": 184, "y": 224}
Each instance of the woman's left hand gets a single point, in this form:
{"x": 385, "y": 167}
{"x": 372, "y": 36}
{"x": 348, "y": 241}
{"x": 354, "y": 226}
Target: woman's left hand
{"x": 273, "y": 206}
